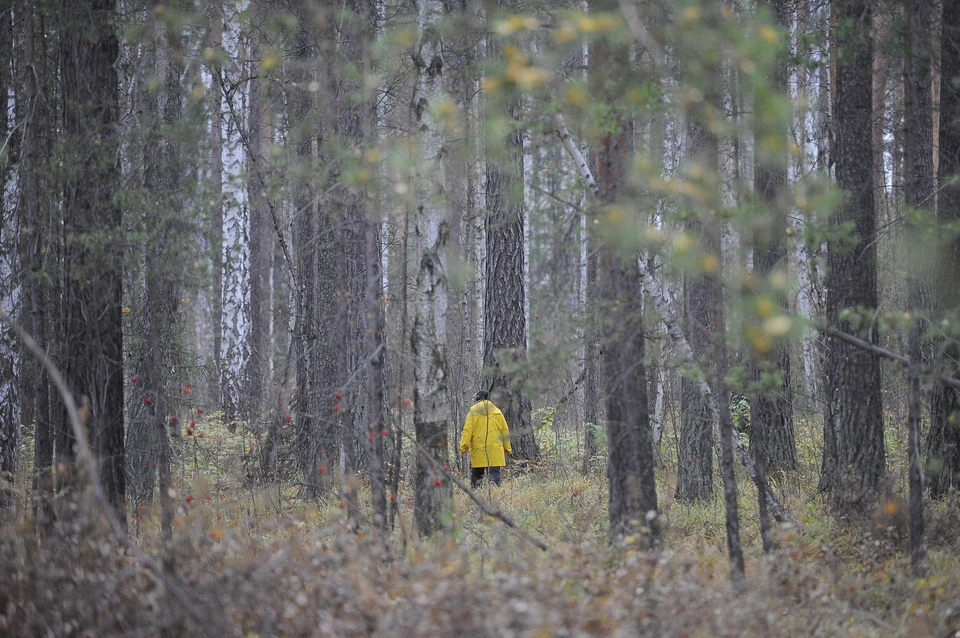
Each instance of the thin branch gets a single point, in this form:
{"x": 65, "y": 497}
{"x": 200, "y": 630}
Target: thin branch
{"x": 486, "y": 509}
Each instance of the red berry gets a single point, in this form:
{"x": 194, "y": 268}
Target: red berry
{"x": 575, "y": 493}
{"x": 288, "y": 418}
{"x": 337, "y": 396}
{"x": 393, "y": 497}
{"x": 153, "y": 464}
{"x": 189, "y": 498}
{"x": 189, "y": 431}
{"x": 322, "y": 469}
{"x": 437, "y": 482}
{"x": 446, "y": 468}
{"x": 143, "y": 508}
{"x": 147, "y": 401}
{"x": 174, "y": 420}
{"x": 407, "y": 403}
{"x": 134, "y": 379}
{"x": 200, "y": 411}
{"x": 384, "y": 432}
{"x": 372, "y": 436}
{"x": 199, "y": 435}
{"x": 336, "y": 407}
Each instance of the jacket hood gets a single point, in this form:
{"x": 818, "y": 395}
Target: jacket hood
{"x": 485, "y": 407}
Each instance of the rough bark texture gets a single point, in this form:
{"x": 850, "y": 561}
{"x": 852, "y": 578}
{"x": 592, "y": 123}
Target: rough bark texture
{"x": 918, "y": 194}
{"x": 260, "y": 238}
{"x": 36, "y": 145}
{"x": 943, "y": 442}
{"x": 93, "y": 335}
{"x": 854, "y": 454}
{"x": 771, "y": 412}
{"x": 701, "y": 296}
{"x": 312, "y": 446}
{"x": 630, "y": 464}
{"x": 505, "y": 322}
{"x": 148, "y": 447}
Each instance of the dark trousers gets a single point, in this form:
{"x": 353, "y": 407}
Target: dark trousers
{"x": 477, "y": 475}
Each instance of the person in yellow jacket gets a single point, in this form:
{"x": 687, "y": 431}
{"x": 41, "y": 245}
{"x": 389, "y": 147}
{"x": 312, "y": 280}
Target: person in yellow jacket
{"x": 487, "y": 438}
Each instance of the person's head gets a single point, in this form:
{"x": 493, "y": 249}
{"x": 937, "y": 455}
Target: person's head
{"x": 482, "y": 395}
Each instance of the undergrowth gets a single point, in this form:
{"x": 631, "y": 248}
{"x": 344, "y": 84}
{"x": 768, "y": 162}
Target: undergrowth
{"x": 259, "y": 560}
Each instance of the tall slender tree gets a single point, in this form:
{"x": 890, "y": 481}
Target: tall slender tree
{"x": 431, "y": 408}
{"x": 771, "y": 411}
{"x": 943, "y": 442}
{"x": 37, "y": 215}
{"x": 918, "y": 195}
{"x": 93, "y": 331}
{"x": 505, "y": 319}
{"x": 854, "y": 454}
{"x": 630, "y": 463}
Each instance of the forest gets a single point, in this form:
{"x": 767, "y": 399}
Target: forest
{"x": 258, "y": 258}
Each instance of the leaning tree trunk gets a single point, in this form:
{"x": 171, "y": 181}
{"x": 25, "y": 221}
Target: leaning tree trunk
{"x": 854, "y": 455}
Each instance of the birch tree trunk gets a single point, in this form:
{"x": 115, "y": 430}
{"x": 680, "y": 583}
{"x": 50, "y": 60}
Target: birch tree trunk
{"x": 428, "y": 339}
{"x": 235, "y": 324}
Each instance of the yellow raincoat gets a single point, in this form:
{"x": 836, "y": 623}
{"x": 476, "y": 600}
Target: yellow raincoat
{"x": 486, "y": 436}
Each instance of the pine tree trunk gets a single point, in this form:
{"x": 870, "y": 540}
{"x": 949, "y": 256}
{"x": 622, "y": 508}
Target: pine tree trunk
{"x": 505, "y": 324}
{"x": 93, "y": 334}
{"x": 854, "y": 454}
{"x": 630, "y": 460}
{"x": 943, "y": 442}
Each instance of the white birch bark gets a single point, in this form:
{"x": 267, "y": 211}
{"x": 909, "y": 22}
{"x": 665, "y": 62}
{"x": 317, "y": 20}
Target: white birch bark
{"x": 235, "y": 323}
{"x": 428, "y": 338}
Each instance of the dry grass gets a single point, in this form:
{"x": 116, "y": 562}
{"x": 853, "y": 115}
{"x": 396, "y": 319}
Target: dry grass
{"x": 261, "y": 562}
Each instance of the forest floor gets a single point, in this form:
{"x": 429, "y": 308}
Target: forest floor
{"x": 263, "y": 562}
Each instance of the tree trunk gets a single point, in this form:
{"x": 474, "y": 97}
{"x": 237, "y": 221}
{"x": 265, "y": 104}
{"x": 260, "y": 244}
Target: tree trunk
{"x": 36, "y": 145}
{"x": 148, "y": 447}
{"x": 630, "y": 462}
{"x": 854, "y": 455}
{"x": 17, "y": 401}
{"x": 701, "y": 297}
{"x": 93, "y": 334}
{"x": 943, "y": 442}
{"x": 918, "y": 195}
{"x": 431, "y": 408}
{"x": 505, "y": 325}
{"x": 771, "y": 411}
{"x": 260, "y": 240}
